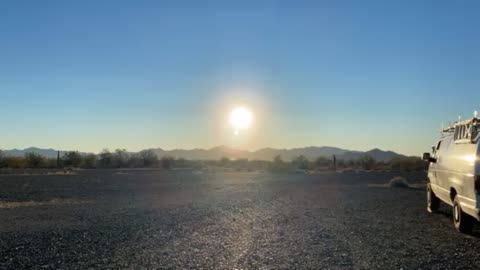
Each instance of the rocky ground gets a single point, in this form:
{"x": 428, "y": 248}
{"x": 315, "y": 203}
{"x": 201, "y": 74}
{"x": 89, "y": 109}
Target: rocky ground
{"x": 195, "y": 220}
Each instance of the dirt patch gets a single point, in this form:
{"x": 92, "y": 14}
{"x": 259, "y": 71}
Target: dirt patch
{"x": 180, "y": 220}
{"x": 121, "y": 173}
{"x": 62, "y": 173}
{"x": 8, "y": 205}
{"x": 66, "y": 173}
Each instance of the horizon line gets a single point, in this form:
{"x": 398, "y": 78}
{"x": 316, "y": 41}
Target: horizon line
{"x": 209, "y": 148}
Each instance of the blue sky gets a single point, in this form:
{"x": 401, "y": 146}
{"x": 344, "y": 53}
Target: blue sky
{"x": 87, "y": 75}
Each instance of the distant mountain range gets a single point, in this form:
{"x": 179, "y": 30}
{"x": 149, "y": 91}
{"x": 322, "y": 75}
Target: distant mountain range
{"x": 311, "y": 153}
{"x": 262, "y": 154}
{"x": 50, "y": 153}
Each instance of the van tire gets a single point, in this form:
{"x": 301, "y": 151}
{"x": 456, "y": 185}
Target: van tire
{"x": 433, "y": 202}
{"x": 462, "y": 222}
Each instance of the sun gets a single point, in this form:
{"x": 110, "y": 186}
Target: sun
{"x": 241, "y": 118}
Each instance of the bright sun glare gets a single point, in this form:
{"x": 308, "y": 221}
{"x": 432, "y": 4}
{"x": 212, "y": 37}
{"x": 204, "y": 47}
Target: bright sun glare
{"x": 241, "y": 118}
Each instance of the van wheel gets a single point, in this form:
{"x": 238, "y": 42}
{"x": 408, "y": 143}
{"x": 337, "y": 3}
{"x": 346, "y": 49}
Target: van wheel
{"x": 433, "y": 202}
{"x": 462, "y": 222}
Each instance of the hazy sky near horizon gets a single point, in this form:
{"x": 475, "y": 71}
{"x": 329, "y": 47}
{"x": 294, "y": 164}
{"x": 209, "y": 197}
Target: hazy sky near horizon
{"x": 88, "y": 75}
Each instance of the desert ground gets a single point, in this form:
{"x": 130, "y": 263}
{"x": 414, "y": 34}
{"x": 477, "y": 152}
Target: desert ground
{"x": 152, "y": 219}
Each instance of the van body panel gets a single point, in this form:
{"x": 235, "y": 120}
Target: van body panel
{"x": 454, "y": 172}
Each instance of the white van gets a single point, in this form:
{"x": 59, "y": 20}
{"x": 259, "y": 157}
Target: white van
{"x": 453, "y": 173}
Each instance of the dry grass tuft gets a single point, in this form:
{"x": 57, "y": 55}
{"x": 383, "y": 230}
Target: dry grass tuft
{"x": 398, "y": 182}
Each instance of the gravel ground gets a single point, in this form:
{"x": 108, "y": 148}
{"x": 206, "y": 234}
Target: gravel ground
{"x": 195, "y": 220}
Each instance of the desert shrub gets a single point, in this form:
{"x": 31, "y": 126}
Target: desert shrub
{"x": 181, "y": 163}
{"x": 72, "y": 159}
{"x": 240, "y": 164}
{"x": 105, "y": 159}
{"x": 89, "y": 161}
{"x": 301, "y": 162}
{"x": 381, "y": 166}
{"x": 224, "y": 162}
{"x": 278, "y": 165}
{"x": 322, "y": 162}
{"x": 167, "y": 162}
{"x": 258, "y": 164}
{"x": 50, "y": 163}
{"x": 398, "y": 182}
{"x": 34, "y": 160}
{"x": 120, "y": 158}
{"x": 351, "y": 163}
{"x": 195, "y": 164}
{"x": 341, "y": 163}
{"x": 408, "y": 164}
{"x": 135, "y": 161}
{"x": 14, "y": 162}
{"x": 148, "y": 158}
{"x": 2, "y": 161}
{"x": 367, "y": 162}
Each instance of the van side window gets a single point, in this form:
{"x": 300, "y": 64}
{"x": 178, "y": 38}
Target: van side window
{"x": 456, "y": 133}
{"x": 463, "y": 133}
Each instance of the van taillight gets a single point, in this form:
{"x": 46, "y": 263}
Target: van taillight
{"x": 477, "y": 183}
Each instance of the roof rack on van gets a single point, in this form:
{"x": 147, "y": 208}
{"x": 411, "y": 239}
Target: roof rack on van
{"x": 451, "y": 128}
{"x": 473, "y": 121}
{"x": 465, "y": 131}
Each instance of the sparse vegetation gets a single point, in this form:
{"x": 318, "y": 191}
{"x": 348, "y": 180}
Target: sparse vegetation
{"x": 322, "y": 162}
{"x": 278, "y": 165}
{"x": 224, "y": 161}
{"x": 120, "y": 158}
{"x": 408, "y": 164}
{"x": 72, "y": 159}
{"x": 89, "y": 161}
{"x": 167, "y": 162}
{"x": 301, "y": 162}
{"x": 105, "y": 159}
{"x": 148, "y": 158}
{"x": 33, "y": 160}
{"x": 367, "y": 162}
{"x": 13, "y": 162}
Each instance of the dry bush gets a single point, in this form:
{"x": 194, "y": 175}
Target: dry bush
{"x": 398, "y": 182}
{"x": 408, "y": 164}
